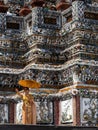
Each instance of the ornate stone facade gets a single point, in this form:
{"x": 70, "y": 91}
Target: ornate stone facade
{"x": 59, "y": 49}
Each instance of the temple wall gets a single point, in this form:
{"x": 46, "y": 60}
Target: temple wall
{"x": 59, "y": 49}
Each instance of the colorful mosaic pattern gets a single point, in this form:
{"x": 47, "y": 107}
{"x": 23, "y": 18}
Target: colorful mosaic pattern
{"x": 2, "y": 22}
{"x": 78, "y": 10}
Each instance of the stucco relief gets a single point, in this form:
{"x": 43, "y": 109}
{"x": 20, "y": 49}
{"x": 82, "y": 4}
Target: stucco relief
{"x": 44, "y": 112}
{"x": 89, "y": 110}
{"x": 3, "y": 113}
{"x": 66, "y": 111}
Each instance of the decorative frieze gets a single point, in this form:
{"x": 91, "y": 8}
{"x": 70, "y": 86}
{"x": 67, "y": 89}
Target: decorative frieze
{"x": 78, "y": 10}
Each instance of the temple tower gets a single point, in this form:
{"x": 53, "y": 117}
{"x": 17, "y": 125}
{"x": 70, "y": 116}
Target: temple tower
{"x": 55, "y": 43}
{"x": 80, "y": 35}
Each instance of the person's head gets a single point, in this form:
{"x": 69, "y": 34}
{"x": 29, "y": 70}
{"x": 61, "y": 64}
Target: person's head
{"x": 26, "y": 90}
{"x": 17, "y": 10}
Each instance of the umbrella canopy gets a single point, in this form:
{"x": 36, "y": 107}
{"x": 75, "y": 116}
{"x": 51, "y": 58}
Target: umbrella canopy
{"x": 29, "y": 83}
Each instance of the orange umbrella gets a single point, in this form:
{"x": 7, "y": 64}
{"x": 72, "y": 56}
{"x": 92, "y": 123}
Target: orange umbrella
{"x": 29, "y": 83}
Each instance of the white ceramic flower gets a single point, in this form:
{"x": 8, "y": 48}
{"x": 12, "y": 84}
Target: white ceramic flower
{"x": 74, "y": 91}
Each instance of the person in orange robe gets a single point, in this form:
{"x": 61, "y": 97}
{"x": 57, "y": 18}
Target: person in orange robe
{"x": 28, "y": 108}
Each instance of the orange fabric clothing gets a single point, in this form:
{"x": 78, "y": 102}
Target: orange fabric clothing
{"x": 29, "y": 109}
